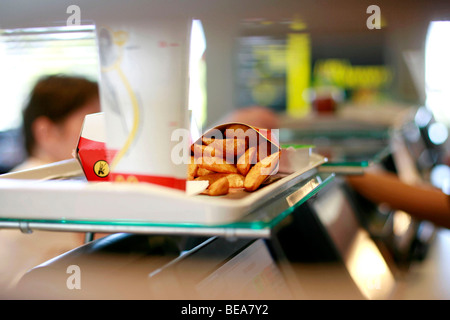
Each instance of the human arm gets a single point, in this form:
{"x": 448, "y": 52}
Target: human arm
{"x": 420, "y": 201}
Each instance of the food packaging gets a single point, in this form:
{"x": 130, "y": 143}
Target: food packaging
{"x": 91, "y": 150}
{"x": 261, "y": 135}
{"x": 144, "y": 96}
{"x": 243, "y": 155}
{"x": 294, "y": 157}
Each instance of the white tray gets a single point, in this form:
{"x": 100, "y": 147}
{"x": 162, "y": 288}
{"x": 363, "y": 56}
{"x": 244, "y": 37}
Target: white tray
{"x": 71, "y": 200}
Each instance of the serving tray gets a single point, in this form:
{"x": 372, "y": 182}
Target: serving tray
{"x": 66, "y": 201}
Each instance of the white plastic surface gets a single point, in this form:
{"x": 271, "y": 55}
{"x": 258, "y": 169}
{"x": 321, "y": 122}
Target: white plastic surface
{"x": 114, "y": 202}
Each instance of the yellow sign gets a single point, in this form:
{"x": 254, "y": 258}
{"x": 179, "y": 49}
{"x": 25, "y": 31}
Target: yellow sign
{"x": 344, "y": 75}
{"x": 298, "y": 57}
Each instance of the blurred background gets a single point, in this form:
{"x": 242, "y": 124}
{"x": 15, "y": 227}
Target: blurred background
{"x": 349, "y": 77}
{"x": 298, "y": 58}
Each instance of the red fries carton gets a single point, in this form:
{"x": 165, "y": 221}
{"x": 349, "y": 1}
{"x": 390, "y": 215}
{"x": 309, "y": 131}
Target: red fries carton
{"x": 91, "y": 148}
{"x": 234, "y": 155}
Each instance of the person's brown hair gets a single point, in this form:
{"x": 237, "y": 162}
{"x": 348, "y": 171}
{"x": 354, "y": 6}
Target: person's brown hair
{"x": 55, "y": 97}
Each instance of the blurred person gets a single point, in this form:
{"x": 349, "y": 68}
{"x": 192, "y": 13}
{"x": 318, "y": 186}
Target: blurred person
{"x": 53, "y": 117}
{"x": 52, "y": 121}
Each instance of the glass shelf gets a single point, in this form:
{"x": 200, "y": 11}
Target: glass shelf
{"x": 257, "y": 223}
{"x": 349, "y": 149}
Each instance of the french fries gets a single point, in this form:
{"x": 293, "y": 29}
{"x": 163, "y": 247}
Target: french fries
{"x": 260, "y": 171}
{"x": 238, "y": 131}
{"x": 232, "y": 162}
{"x": 229, "y": 146}
{"x": 202, "y": 172}
{"x": 192, "y": 169}
{"x": 244, "y": 162}
{"x": 217, "y": 164}
{"x": 235, "y": 180}
{"x": 218, "y": 188}
{"x": 200, "y": 150}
